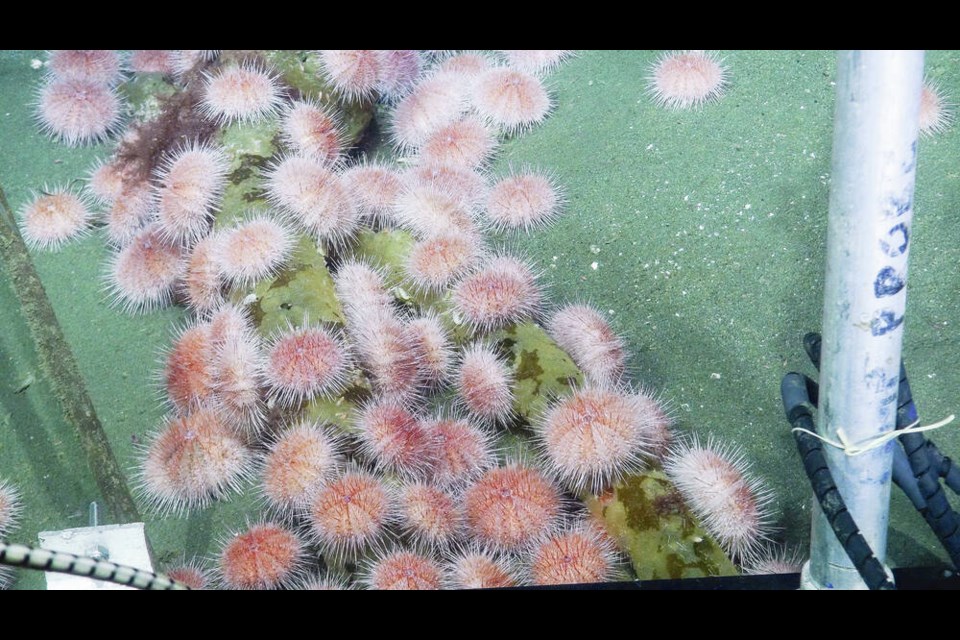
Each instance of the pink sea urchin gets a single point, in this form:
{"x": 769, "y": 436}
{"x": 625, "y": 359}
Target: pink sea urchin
{"x": 435, "y": 102}
{"x": 509, "y": 508}
{"x": 351, "y": 513}
{"x": 375, "y": 188}
{"x": 77, "y": 111}
{"x": 303, "y": 363}
{"x": 188, "y": 373}
{"x": 431, "y": 516}
{"x": 143, "y": 274}
{"x": 299, "y": 461}
{"x": 484, "y": 384}
{"x": 466, "y": 187}
{"x": 131, "y": 211}
{"x": 265, "y": 556}
{"x": 363, "y": 293}
{"x": 585, "y": 334}
{"x": 503, "y": 290}
{"x": 313, "y": 131}
{"x": 466, "y": 143}
{"x": 190, "y": 183}
{"x": 686, "y": 79}
{"x": 476, "y": 568}
{"x": 468, "y": 63}
{"x": 355, "y": 73}
{"x": 396, "y": 439}
{"x": 535, "y": 61}
{"x": 935, "y": 117}
{"x": 526, "y": 200}
{"x": 439, "y": 260}
{"x": 255, "y": 249}
{"x": 244, "y": 93}
{"x": 194, "y": 459}
{"x": 405, "y": 570}
{"x": 237, "y": 373}
{"x": 9, "y": 507}
{"x": 106, "y": 181}
{"x": 201, "y": 286}
{"x": 433, "y": 348}
{"x": 52, "y": 218}
{"x": 594, "y": 437}
{"x": 314, "y": 196}
{"x": 388, "y": 353}
{"x": 101, "y": 66}
{"x": 399, "y": 69}
{"x": 576, "y": 555}
{"x": 152, "y": 61}
{"x": 464, "y": 451}
{"x": 191, "y": 573}
{"x": 427, "y": 209}
{"x": 716, "y": 483}
{"x": 510, "y": 99}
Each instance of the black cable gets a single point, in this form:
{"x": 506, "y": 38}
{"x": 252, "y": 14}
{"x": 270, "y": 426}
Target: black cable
{"x": 902, "y": 472}
{"x": 927, "y": 464}
{"x": 944, "y": 467}
{"x": 938, "y": 513}
{"x": 796, "y": 403}
{"x": 903, "y": 477}
{"x": 19, "y": 555}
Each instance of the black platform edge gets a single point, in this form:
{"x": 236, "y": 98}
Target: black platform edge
{"x": 908, "y": 579}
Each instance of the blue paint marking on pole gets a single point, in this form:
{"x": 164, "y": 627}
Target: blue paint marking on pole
{"x": 878, "y": 380}
{"x": 885, "y": 322}
{"x": 884, "y": 413}
{"x": 888, "y": 283}
{"x": 901, "y": 206}
{"x": 901, "y": 235}
{"x": 875, "y": 379}
{"x": 911, "y": 164}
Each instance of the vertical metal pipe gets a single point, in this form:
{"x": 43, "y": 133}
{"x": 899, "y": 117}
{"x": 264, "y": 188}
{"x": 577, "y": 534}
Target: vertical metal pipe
{"x": 868, "y": 241}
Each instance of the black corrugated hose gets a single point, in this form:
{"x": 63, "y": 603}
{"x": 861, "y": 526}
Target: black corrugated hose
{"x": 917, "y": 470}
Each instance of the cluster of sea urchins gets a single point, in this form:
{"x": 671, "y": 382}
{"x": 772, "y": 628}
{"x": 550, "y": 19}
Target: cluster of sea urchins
{"x": 418, "y": 492}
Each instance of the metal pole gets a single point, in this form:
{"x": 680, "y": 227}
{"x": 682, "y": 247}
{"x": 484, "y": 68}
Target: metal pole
{"x": 61, "y": 368}
{"x": 868, "y": 240}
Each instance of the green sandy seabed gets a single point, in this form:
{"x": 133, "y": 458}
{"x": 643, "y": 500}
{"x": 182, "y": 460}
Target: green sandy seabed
{"x": 701, "y": 232}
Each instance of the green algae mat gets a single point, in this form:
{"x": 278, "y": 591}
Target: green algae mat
{"x": 700, "y": 233}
